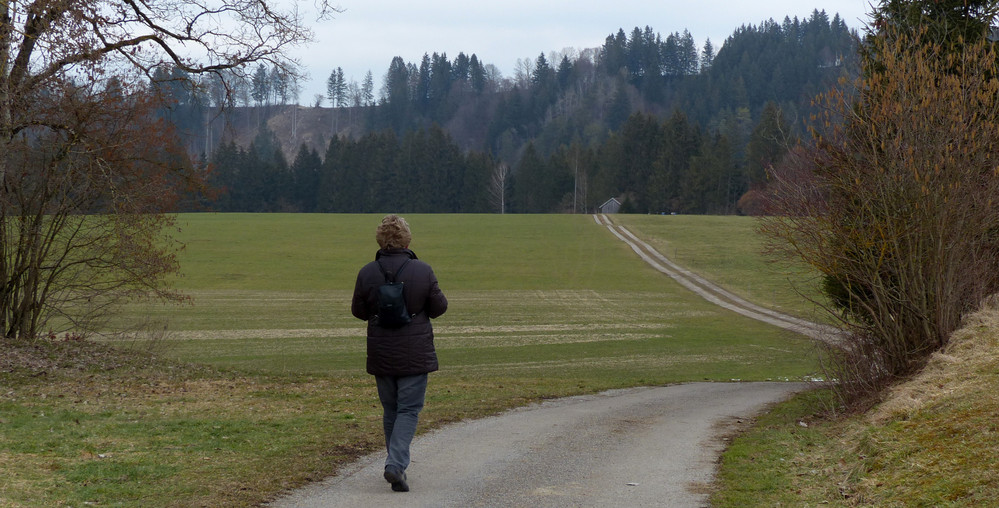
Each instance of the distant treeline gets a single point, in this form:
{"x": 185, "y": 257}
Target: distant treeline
{"x": 644, "y": 118}
{"x": 664, "y": 167}
{"x": 424, "y": 171}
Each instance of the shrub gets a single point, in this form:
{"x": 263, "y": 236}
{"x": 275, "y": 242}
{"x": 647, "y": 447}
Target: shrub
{"x": 894, "y": 203}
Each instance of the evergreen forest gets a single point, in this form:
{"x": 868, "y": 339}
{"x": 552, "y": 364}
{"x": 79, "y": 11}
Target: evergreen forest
{"x": 652, "y": 120}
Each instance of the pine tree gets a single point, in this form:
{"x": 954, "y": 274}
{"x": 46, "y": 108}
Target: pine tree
{"x": 707, "y": 55}
{"x": 769, "y": 141}
{"x": 279, "y": 85}
{"x": 261, "y": 89}
{"x": 614, "y": 53}
{"x": 305, "y": 177}
{"x": 527, "y": 182}
{"x": 331, "y": 88}
{"x": 476, "y": 74}
{"x": 461, "y": 68}
{"x": 396, "y": 95}
{"x": 368, "y": 89}
{"x": 681, "y": 141}
{"x": 329, "y": 176}
{"x": 620, "y": 106}
{"x": 440, "y": 87}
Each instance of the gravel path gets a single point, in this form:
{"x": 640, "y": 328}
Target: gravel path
{"x": 634, "y": 448}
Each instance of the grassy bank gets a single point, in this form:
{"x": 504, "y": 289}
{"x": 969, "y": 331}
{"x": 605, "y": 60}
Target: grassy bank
{"x": 258, "y": 385}
{"x": 931, "y": 443}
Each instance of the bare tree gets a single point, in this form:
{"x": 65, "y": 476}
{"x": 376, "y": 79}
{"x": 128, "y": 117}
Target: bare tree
{"x": 499, "y": 186}
{"x": 84, "y": 171}
{"x": 522, "y": 72}
{"x": 896, "y": 203}
{"x": 355, "y": 95}
{"x": 494, "y": 79}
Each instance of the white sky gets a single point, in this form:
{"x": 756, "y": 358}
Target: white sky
{"x": 369, "y": 33}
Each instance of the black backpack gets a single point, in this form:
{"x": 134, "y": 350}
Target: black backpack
{"x": 392, "y": 311}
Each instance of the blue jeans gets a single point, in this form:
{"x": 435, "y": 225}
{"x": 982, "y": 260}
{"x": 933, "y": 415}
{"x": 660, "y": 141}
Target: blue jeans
{"x": 402, "y": 401}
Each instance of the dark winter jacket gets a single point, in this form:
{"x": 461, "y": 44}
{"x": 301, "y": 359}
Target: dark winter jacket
{"x": 408, "y": 350}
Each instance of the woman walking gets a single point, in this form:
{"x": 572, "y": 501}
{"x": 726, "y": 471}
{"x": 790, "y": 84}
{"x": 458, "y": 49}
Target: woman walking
{"x": 400, "y": 352}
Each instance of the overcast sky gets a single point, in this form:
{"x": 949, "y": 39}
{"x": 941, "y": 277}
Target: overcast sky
{"x": 369, "y": 33}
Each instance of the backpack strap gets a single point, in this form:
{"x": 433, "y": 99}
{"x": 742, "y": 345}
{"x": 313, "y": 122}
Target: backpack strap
{"x": 397, "y": 272}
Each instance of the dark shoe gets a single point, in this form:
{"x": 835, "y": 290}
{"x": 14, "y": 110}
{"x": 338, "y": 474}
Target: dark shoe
{"x": 397, "y": 477}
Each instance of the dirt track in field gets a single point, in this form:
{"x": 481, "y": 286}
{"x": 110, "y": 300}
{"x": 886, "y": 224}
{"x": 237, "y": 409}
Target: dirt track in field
{"x": 714, "y": 293}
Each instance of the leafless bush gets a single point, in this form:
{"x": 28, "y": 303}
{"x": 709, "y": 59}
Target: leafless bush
{"x": 86, "y": 171}
{"x": 895, "y": 203}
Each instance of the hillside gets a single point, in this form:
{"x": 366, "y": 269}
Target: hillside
{"x": 586, "y": 94}
{"x": 646, "y": 118}
{"x": 295, "y": 126}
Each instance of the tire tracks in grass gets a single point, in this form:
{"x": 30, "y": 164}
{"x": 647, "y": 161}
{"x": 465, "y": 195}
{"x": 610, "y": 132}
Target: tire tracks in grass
{"x": 716, "y": 294}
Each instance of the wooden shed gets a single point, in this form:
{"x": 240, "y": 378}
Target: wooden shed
{"x": 612, "y": 205}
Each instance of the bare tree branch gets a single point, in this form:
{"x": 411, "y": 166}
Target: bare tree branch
{"x": 85, "y": 169}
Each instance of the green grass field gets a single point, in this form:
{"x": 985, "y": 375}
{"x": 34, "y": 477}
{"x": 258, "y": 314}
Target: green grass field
{"x": 727, "y": 250}
{"x": 556, "y": 295}
{"x": 541, "y": 306}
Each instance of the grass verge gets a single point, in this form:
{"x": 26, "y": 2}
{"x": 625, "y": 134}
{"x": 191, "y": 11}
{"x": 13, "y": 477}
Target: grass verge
{"x": 932, "y": 442}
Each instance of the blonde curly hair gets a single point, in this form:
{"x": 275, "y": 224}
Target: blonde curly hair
{"x": 393, "y": 233}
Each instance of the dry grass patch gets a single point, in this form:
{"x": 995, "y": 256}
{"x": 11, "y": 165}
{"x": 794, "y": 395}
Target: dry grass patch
{"x": 934, "y": 441}
{"x": 971, "y": 358}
